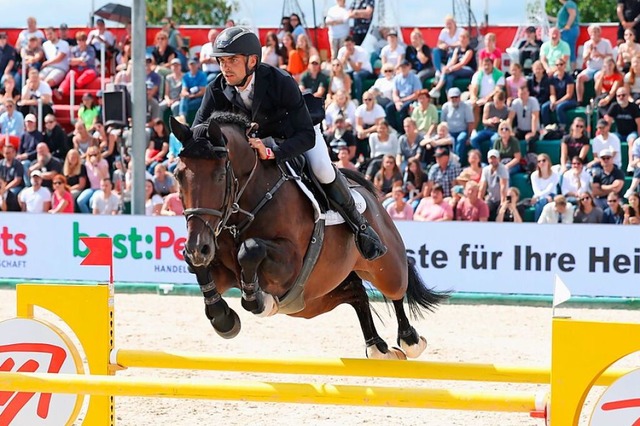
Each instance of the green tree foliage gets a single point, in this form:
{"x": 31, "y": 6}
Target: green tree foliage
{"x": 191, "y": 12}
{"x": 590, "y": 10}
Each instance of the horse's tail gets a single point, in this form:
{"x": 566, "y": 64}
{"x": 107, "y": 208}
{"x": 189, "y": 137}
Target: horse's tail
{"x": 359, "y": 178}
{"x": 419, "y": 296}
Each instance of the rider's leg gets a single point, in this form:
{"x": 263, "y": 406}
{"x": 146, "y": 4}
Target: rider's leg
{"x": 337, "y": 190}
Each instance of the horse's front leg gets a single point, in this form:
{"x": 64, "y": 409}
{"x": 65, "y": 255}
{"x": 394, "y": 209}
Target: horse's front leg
{"x": 252, "y": 253}
{"x": 225, "y": 321}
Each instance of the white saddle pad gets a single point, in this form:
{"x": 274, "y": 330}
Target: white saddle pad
{"x": 331, "y": 217}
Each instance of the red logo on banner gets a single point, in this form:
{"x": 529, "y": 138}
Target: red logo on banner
{"x": 14, "y": 401}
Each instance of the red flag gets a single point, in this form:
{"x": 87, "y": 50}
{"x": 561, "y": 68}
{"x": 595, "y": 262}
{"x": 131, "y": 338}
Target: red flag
{"x": 100, "y": 252}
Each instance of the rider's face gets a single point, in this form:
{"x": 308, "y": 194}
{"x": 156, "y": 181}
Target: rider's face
{"x": 234, "y": 68}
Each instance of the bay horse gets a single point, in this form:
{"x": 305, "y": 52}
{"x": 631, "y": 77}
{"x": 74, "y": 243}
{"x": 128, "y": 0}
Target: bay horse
{"x": 250, "y": 226}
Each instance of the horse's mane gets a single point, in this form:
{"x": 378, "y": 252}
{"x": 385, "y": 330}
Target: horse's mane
{"x": 202, "y": 146}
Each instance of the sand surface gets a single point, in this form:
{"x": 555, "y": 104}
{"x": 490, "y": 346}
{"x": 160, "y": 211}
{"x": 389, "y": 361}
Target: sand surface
{"x": 513, "y": 335}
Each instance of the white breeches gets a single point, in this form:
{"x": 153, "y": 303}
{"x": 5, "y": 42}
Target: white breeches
{"x": 318, "y": 158}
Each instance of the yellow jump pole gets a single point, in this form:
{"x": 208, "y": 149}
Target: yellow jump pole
{"x": 300, "y": 393}
{"x": 343, "y": 367}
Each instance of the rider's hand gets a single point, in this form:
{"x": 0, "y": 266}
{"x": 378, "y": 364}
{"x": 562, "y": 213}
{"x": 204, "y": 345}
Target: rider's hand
{"x": 263, "y": 152}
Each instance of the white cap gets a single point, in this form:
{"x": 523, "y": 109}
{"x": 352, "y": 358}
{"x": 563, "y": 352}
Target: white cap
{"x": 493, "y": 153}
{"x": 605, "y": 153}
{"x": 30, "y": 117}
{"x": 454, "y": 91}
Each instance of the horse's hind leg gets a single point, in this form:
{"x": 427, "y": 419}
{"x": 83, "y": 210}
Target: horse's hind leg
{"x": 251, "y": 254}
{"x": 377, "y": 348}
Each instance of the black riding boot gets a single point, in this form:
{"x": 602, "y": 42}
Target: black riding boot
{"x": 367, "y": 239}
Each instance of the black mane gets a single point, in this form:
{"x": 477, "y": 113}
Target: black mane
{"x": 201, "y": 145}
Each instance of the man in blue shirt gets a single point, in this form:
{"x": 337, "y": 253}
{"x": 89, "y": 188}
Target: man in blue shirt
{"x": 406, "y": 86}
{"x": 11, "y": 121}
{"x": 194, "y": 84}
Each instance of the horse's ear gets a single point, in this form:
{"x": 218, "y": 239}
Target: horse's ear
{"x": 215, "y": 132}
{"x": 182, "y": 131}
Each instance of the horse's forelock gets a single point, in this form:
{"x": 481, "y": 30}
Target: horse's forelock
{"x": 200, "y": 145}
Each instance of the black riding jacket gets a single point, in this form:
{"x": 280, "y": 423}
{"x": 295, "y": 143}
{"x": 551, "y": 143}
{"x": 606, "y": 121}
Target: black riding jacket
{"x": 278, "y": 108}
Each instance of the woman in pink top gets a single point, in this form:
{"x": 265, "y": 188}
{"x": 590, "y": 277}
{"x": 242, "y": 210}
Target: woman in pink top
{"x": 61, "y": 200}
{"x": 399, "y": 209}
{"x": 97, "y": 169}
{"x": 433, "y": 208}
{"x": 491, "y": 51}
{"x": 515, "y": 81}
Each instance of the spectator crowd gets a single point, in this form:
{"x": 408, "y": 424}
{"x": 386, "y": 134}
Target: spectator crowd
{"x": 444, "y": 132}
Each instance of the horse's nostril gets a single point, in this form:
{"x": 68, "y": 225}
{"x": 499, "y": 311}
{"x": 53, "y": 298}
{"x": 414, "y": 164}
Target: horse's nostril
{"x": 205, "y": 250}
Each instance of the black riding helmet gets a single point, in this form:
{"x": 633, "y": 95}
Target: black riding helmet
{"x": 238, "y": 41}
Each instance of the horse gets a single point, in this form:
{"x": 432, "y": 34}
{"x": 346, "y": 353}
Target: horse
{"x": 250, "y": 226}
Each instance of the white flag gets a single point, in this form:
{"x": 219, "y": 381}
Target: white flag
{"x": 560, "y": 292}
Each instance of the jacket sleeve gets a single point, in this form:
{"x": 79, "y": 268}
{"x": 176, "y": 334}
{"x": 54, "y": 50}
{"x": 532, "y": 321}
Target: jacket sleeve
{"x": 303, "y": 136}
{"x": 206, "y": 107}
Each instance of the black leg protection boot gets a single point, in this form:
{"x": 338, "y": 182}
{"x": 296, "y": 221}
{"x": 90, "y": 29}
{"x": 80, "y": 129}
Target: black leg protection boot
{"x": 367, "y": 239}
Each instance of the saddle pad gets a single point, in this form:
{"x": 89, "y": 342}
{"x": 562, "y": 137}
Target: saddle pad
{"x": 331, "y": 217}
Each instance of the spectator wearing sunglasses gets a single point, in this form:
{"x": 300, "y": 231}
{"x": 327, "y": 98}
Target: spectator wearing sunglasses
{"x": 561, "y": 95}
{"x": 626, "y": 116}
{"x": 61, "y": 198}
{"x": 544, "y": 182}
{"x": 614, "y": 213}
{"x": 587, "y": 211}
{"x": 606, "y": 180}
{"x": 576, "y": 143}
{"x": 314, "y": 80}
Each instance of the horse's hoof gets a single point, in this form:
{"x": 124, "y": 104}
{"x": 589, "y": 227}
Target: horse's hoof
{"x": 414, "y": 351}
{"x": 392, "y": 353}
{"x": 235, "y": 327}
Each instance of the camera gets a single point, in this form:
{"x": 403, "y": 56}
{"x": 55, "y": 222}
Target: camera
{"x": 632, "y": 211}
{"x": 508, "y": 198}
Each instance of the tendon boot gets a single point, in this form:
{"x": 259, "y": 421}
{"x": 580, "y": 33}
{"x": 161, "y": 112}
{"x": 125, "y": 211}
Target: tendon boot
{"x": 367, "y": 239}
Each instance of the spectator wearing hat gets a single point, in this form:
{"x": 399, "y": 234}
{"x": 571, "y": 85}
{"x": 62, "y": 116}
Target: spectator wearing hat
{"x": 101, "y": 37}
{"x": 314, "y": 80}
{"x": 152, "y": 77}
{"x": 28, "y": 142}
{"x": 459, "y": 117}
{"x": 444, "y": 171}
{"x": 472, "y": 208}
{"x": 425, "y": 114}
{"x": 461, "y": 65}
{"x": 210, "y": 64}
{"x": 405, "y": 91}
{"x": 356, "y": 63}
{"x": 557, "y": 211}
{"x": 194, "y": 84}
{"x": 529, "y": 50}
{"x": 341, "y": 135}
{"x": 172, "y": 89}
{"x": 605, "y": 140}
{"x": 8, "y": 57}
{"x": 35, "y": 198}
{"x": 83, "y": 65}
{"x": 419, "y": 55}
{"x": 57, "y": 54}
{"x": 609, "y": 178}
{"x": 494, "y": 183}
{"x": 392, "y": 53}
{"x": 64, "y": 35}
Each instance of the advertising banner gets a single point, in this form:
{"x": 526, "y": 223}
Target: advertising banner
{"x": 593, "y": 260}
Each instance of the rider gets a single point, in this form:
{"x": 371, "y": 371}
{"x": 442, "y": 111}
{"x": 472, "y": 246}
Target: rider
{"x": 271, "y": 98}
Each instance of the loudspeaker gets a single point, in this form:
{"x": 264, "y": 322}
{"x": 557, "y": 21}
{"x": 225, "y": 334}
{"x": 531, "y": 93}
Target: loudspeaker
{"x": 115, "y": 108}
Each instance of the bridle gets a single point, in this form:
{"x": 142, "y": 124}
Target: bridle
{"x": 230, "y": 204}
